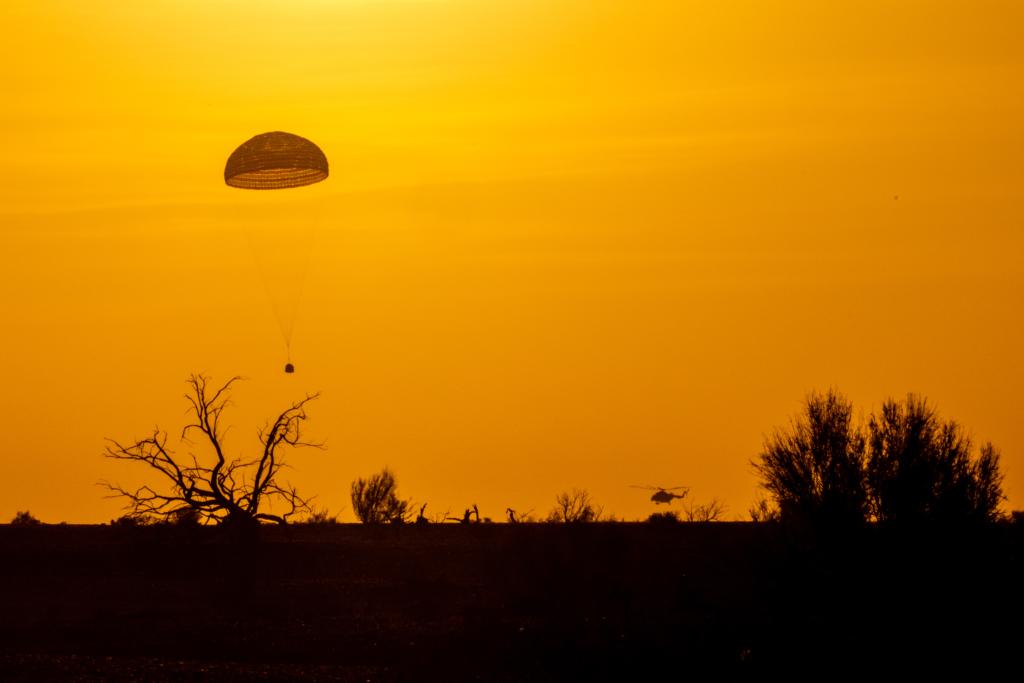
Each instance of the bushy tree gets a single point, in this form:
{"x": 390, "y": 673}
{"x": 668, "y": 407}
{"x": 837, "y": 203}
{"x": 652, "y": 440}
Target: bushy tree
{"x": 815, "y": 469}
{"x": 907, "y": 466}
{"x": 574, "y": 506}
{"x": 920, "y": 467}
{"x": 375, "y": 499}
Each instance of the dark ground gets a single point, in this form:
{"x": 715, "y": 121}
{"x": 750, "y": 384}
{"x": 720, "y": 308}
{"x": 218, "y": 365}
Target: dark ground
{"x": 502, "y": 602}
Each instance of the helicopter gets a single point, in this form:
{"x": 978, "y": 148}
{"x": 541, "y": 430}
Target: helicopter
{"x": 664, "y": 495}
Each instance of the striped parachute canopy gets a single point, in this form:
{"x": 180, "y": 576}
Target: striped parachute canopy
{"x": 275, "y": 161}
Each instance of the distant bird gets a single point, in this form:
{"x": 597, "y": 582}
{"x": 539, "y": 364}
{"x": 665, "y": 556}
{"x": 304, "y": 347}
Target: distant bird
{"x": 664, "y": 495}
{"x": 289, "y": 368}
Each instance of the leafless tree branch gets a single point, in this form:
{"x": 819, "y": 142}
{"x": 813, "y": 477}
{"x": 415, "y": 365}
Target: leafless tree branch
{"x": 236, "y": 490}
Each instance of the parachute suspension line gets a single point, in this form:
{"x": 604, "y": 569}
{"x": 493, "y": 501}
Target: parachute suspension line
{"x": 309, "y": 237}
{"x": 284, "y": 299}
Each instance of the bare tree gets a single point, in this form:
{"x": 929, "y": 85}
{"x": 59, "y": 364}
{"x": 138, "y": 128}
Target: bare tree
{"x": 422, "y": 518}
{"x": 467, "y": 516}
{"x": 215, "y": 489}
{"x": 518, "y": 518}
{"x": 574, "y": 506}
{"x": 375, "y": 499}
{"x": 711, "y": 511}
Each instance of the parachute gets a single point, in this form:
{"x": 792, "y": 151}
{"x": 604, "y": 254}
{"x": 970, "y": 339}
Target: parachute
{"x": 277, "y": 161}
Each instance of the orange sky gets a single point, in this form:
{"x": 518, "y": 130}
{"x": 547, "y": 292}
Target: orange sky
{"x": 564, "y": 242}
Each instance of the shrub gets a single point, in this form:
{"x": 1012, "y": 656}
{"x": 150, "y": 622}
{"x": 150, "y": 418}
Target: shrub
{"x": 667, "y": 517}
{"x": 132, "y": 520}
{"x": 25, "y": 518}
{"x": 574, "y": 506}
{"x": 375, "y": 499}
{"x": 319, "y": 517}
{"x": 764, "y": 511}
{"x": 184, "y": 517}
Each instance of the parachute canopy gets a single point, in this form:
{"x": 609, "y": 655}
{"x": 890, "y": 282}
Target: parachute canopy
{"x": 275, "y": 161}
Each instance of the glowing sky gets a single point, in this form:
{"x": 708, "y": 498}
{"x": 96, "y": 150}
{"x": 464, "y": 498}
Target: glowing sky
{"x": 564, "y": 242}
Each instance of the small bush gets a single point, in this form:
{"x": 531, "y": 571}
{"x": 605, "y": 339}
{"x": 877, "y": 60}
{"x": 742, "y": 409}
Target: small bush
{"x": 132, "y": 520}
{"x": 319, "y": 517}
{"x": 667, "y": 517}
{"x": 573, "y": 507}
{"x": 25, "y": 518}
{"x": 184, "y": 517}
{"x": 764, "y": 511}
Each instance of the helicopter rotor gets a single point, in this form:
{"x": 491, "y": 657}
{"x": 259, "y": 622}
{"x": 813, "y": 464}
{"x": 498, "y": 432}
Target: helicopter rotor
{"x": 658, "y": 488}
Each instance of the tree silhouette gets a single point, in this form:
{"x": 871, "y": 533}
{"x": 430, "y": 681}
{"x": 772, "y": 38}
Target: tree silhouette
{"x": 215, "y": 489}
{"x": 908, "y": 466}
{"x": 515, "y": 517}
{"x": 25, "y": 518}
{"x": 815, "y": 469}
{"x": 712, "y": 511}
{"x": 574, "y": 506}
{"x": 920, "y": 468}
{"x": 375, "y": 499}
{"x": 421, "y": 516}
{"x": 470, "y": 515}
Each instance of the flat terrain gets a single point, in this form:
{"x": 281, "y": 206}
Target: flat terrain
{"x": 499, "y": 602}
